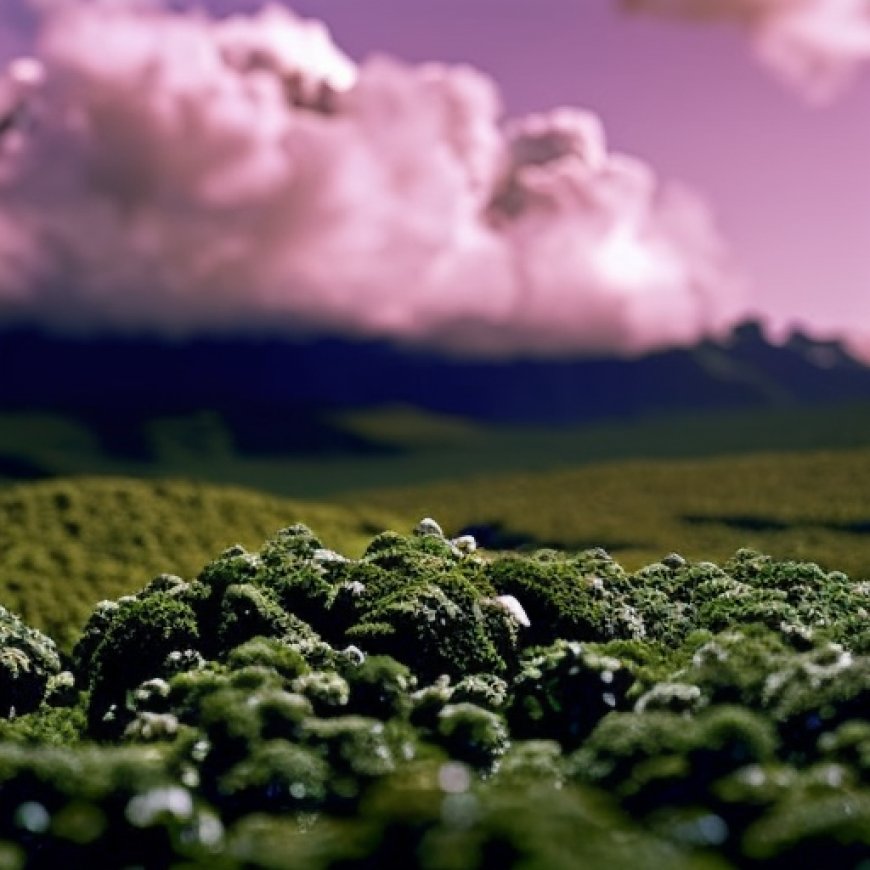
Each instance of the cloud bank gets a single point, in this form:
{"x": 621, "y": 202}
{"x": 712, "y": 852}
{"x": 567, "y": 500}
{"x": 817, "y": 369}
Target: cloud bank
{"x": 816, "y": 46}
{"x": 168, "y": 171}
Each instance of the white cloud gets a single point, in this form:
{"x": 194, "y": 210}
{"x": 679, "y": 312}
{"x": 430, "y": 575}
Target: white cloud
{"x": 179, "y": 173}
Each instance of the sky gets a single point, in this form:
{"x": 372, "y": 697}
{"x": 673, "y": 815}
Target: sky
{"x": 788, "y": 181}
{"x": 750, "y": 191}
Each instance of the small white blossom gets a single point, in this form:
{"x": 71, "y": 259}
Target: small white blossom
{"x": 465, "y": 543}
{"x": 324, "y": 555}
{"x": 428, "y": 526}
{"x": 515, "y": 609}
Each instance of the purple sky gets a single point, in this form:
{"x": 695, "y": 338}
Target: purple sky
{"x": 789, "y": 183}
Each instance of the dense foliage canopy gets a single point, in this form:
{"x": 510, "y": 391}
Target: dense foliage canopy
{"x": 437, "y": 706}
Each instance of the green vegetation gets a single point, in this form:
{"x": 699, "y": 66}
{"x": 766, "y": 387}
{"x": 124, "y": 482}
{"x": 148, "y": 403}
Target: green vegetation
{"x": 394, "y": 445}
{"x": 69, "y": 543}
{"x": 804, "y": 506}
{"x": 66, "y": 544}
{"x": 28, "y": 660}
{"x": 428, "y": 704}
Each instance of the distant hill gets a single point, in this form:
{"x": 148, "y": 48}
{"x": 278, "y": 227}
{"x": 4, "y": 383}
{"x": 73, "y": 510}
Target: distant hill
{"x": 317, "y": 419}
{"x": 807, "y": 505}
{"x": 65, "y": 544}
{"x": 278, "y": 389}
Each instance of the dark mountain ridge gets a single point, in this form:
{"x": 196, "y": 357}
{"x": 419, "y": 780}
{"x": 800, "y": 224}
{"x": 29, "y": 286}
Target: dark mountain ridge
{"x": 279, "y": 378}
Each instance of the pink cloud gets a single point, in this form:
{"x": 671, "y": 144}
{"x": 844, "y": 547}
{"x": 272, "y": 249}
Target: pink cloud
{"x": 858, "y": 344}
{"x": 173, "y": 172}
{"x": 816, "y": 46}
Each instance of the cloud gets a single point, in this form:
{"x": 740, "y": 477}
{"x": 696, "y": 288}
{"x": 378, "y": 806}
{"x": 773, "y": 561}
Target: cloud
{"x": 858, "y": 344}
{"x": 817, "y": 46}
{"x": 168, "y": 171}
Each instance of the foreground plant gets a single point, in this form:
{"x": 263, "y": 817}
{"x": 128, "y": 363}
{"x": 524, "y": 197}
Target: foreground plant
{"x": 439, "y": 706}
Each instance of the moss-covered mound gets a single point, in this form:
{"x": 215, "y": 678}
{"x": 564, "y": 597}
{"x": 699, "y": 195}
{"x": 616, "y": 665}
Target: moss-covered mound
{"x": 431, "y": 705}
{"x": 67, "y": 543}
{"x": 28, "y": 661}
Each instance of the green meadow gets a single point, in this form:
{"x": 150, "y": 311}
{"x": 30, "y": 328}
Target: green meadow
{"x": 400, "y": 446}
{"x": 68, "y": 543}
{"x": 812, "y": 505}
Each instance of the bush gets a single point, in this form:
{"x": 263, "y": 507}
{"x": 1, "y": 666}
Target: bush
{"x": 269, "y": 653}
{"x": 28, "y": 659}
{"x": 563, "y": 690}
{"x": 380, "y": 687}
{"x": 471, "y": 734}
{"x": 299, "y": 709}
{"x": 136, "y": 643}
{"x": 277, "y": 776}
{"x": 560, "y": 598}
{"x": 434, "y": 628}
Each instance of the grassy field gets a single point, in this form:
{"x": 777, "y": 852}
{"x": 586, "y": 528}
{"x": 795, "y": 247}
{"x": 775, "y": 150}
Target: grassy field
{"x": 408, "y": 447}
{"x": 810, "y": 506}
{"x": 68, "y": 543}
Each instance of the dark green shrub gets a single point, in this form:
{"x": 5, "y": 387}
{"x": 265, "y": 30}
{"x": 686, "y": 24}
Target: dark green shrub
{"x": 563, "y": 690}
{"x": 282, "y": 714}
{"x": 61, "y": 690}
{"x": 28, "y": 659}
{"x": 358, "y": 750}
{"x": 163, "y": 583}
{"x": 231, "y": 722}
{"x": 733, "y": 667}
{"x": 92, "y": 636}
{"x": 247, "y": 612}
{"x": 104, "y": 806}
{"x": 270, "y": 653}
{"x": 849, "y": 745}
{"x": 532, "y": 762}
{"x": 748, "y": 745}
{"x": 152, "y": 695}
{"x": 433, "y": 628}
{"x": 485, "y": 690}
{"x": 234, "y": 567}
{"x": 46, "y": 726}
{"x": 813, "y": 831}
{"x": 818, "y": 691}
{"x": 148, "y": 727}
{"x": 561, "y": 601}
{"x": 303, "y": 591}
{"x": 134, "y": 647}
{"x": 427, "y": 703}
{"x": 380, "y": 687}
{"x": 670, "y": 698}
{"x": 327, "y": 691}
{"x": 276, "y": 776}
{"x": 294, "y": 544}
{"x": 253, "y": 678}
{"x": 471, "y": 734}
{"x": 653, "y": 759}
{"x": 188, "y": 691}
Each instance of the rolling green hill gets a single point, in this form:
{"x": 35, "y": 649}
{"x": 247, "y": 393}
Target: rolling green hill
{"x": 810, "y": 506}
{"x": 68, "y": 543}
{"x": 395, "y": 445}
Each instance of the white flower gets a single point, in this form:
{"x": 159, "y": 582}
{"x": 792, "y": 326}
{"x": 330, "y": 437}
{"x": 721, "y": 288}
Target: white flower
{"x": 428, "y": 526}
{"x": 514, "y": 608}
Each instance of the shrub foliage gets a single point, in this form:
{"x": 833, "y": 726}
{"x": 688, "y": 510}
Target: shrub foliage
{"x": 433, "y": 705}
